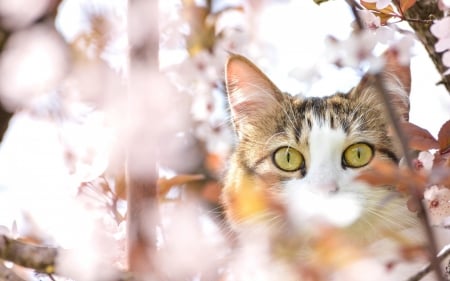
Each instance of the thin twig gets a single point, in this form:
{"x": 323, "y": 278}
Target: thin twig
{"x": 424, "y": 271}
{"x": 413, "y": 191}
{"x": 41, "y": 259}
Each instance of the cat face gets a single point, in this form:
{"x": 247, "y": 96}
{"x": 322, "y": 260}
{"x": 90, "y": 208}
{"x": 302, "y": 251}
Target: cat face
{"x": 292, "y": 149}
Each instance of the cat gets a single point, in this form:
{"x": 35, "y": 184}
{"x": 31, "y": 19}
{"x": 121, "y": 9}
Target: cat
{"x": 293, "y": 151}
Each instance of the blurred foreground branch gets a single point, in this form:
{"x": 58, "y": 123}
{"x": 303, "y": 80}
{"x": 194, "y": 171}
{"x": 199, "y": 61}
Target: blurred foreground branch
{"x": 39, "y": 258}
{"x": 4, "y": 114}
{"x": 427, "y": 269}
{"x": 142, "y": 200}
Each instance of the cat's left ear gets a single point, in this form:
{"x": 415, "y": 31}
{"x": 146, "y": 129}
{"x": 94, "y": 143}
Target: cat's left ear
{"x": 251, "y": 94}
{"x": 396, "y": 79}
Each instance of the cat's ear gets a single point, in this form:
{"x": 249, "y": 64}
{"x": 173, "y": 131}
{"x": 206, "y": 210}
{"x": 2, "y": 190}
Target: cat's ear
{"x": 251, "y": 95}
{"x": 396, "y": 79}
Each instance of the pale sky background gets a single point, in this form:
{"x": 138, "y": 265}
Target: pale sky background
{"x": 297, "y": 30}
{"x": 30, "y": 154}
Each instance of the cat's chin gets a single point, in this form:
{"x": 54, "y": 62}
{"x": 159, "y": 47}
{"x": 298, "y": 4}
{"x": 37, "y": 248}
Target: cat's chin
{"x": 309, "y": 206}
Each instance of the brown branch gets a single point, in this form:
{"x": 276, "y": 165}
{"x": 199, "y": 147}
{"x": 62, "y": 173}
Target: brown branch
{"x": 142, "y": 200}
{"x": 39, "y": 258}
{"x": 48, "y": 16}
{"x": 413, "y": 190}
{"x": 427, "y": 269}
{"x": 5, "y": 116}
{"x": 420, "y": 17}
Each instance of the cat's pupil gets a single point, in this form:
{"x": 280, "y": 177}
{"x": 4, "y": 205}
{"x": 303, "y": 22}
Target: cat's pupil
{"x": 358, "y": 153}
{"x": 288, "y": 157}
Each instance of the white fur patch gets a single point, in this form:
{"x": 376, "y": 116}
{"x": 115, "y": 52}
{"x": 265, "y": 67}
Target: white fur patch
{"x": 327, "y": 193}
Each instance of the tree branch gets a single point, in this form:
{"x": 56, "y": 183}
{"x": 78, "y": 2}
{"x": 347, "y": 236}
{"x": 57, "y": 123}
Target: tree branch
{"x": 426, "y": 10}
{"x": 5, "y": 116}
{"x": 39, "y": 258}
{"x": 413, "y": 190}
{"x": 142, "y": 200}
{"x": 427, "y": 269}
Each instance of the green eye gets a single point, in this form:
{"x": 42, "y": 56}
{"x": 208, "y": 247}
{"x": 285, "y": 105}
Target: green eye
{"x": 357, "y": 155}
{"x": 288, "y": 159}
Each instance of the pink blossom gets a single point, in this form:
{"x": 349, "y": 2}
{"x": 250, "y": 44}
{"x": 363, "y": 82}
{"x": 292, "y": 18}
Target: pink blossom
{"x": 437, "y": 203}
{"x": 426, "y": 160}
{"x": 404, "y": 47}
{"x": 370, "y": 20}
{"x": 441, "y": 30}
{"x": 352, "y": 51}
{"x": 444, "y": 5}
{"x": 446, "y": 59}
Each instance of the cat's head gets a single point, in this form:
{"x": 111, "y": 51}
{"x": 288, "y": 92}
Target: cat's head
{"x": 292, "y": 146}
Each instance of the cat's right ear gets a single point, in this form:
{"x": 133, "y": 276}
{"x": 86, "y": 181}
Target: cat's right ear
{"x": 251, "y": 94}
{"x": 396, "y": 79}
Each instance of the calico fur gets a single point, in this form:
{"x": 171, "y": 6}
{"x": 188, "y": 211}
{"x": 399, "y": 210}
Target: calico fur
{"x": 257, "y": 195}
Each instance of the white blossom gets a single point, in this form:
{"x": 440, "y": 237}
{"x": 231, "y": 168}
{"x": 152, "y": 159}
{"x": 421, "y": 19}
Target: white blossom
{"x": 380, "y": 4}
{"x": 441, "y": 30}
{"x": 437, "y": 200}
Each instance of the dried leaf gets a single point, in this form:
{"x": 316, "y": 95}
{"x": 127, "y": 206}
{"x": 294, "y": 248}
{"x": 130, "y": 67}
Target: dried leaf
{"x": 215, "y": 163}
{"x": 380, "y": 173}
{"x": 419, "y": 138}
{"x": 334, "y": 249}
{"x": 406, "y": 4}
{"x": 442, "y": 160}
{"x": 212, "y": 191}
{"x": 164, "y": 185}
{"x": 247, "y": 199}
{"x": 384, "y": 173}
{"x": 440, "y": 176}
{"x": 318, "y": 2}
{"x": 444, "y": 138}
{"x": 202, "y": 29}
{"x": 120, "y": 186}
{"x": 384, "y": 14}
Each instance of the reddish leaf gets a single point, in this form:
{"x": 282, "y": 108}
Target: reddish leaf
{"x": 419, "y": 138}
{"x": 444, "y": 138}
{"x": 440, "y": 176}
{"x": 442, "y": 160}
{"x": 406, "y": 4}
{"x": 215, "y": 163}
{"x": 212, "y": 192}
{"x": 380, "y": 173}
{"x": 383, "y": 173}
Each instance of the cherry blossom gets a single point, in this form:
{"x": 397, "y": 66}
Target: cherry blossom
{"x": 369, "y": 19}
{"x": 425, "y": 160}
{"x": 437, "y": 200}
{"x": 352, "y": 51}
{"x": 441, "y": 30}
{"x": 444, "y": 5}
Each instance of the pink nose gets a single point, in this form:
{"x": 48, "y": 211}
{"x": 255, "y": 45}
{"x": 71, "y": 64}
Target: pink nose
{"x": 328, "y": 187}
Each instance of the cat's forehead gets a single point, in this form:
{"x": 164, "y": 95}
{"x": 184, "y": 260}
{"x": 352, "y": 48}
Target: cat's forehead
{"x": 337, "y": 111}
{"x": 336, "y": 101}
